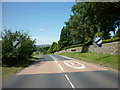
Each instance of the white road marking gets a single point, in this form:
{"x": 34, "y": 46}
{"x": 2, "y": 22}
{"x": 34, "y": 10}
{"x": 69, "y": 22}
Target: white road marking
{"x": 65, "y": 74}
{"x": 53, "y": 58}
{"x": 56, "y": 61}
{"x": 80, "y": 67}
{"x": 69, "y": 81}
{"x": 67, "y": 77}
{"x": 60, "y": 67}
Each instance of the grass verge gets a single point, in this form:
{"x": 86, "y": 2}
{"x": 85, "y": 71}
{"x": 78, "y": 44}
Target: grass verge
{"x": 7, "y": 71}
{"x": 101, "y": 59}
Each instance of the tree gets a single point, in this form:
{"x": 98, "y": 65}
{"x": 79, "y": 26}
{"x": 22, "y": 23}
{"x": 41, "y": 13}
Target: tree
{"x": 118, "y": 33}
{"x": 44, "y": 50}
{"x": 53, "y": 48}
{"x": 89, "y": 18}
{"x": 15, "y": 55}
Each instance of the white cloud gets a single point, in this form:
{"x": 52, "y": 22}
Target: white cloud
{"x": 43, "y": 40}
{"x": 41, "y": 30}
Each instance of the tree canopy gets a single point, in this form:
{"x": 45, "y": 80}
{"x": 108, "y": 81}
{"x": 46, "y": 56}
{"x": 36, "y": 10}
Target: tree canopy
{"x": 89, "y": 18}
{"x": 17, "y": 47}
{"x": 53, "y": 48}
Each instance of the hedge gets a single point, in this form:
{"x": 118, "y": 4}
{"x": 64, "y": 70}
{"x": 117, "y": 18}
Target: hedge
{"x": 104, "y": 41}
{"x": 111, "y": 40}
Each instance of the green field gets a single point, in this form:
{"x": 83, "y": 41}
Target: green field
{"x": 101, "y": 59}
{"x": 7, "y": 71}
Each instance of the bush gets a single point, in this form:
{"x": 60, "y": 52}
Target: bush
{"x": 72, "y": 46}
{"x": 18, "y": 54}
{"x": 53, "y": 48}
{"x": 111, "y": 40}
{"x": 88, "y": 42}
{"x": 99, "y": 34}
{"x": 118, "y": 33}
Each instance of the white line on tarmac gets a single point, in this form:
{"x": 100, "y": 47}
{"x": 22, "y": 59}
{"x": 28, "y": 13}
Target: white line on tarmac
{"x": 80, "y": 67}
{"x": 60, "y": 67}
{"x": 69, "y": 81}
{"x": 53, "y": 58}
{"x": 65, "y": 74}
{"x": 56, "y": 61}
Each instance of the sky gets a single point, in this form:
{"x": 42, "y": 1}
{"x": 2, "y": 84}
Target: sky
{"x": 42, "y": 20}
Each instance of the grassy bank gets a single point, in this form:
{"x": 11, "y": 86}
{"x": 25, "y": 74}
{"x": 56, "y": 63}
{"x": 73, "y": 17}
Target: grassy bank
{"x": 102, "y": 59}
{"x": 7, "y": 71}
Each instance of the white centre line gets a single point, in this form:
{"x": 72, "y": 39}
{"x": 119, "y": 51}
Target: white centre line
{"x": 60, "y": 67}
{"x": 53, "y": 59}
{"x": 65, "y": 74}
{"x": 69, "y": 81}
{"x": 56, "y": 61}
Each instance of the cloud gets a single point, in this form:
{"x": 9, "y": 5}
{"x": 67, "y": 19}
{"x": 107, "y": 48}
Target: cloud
{"x": 43, "y": 40}
{"x": 41, "y": 30}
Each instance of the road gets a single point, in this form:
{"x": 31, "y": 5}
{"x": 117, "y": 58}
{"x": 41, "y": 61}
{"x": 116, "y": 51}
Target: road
{"x": 53, "y": 71}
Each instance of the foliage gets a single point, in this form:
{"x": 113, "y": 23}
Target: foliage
{"x": 99, "y": 34}
{"x": 15, "y": 56}
{"x": 111, "y": 40}
{"x": 86, "y": 19}
{"x": 53, "y": 48}
{"x": 90, "y": 43}
{"x": 118, "y": 33}
{"x": 72, "y": 46}
{"x": 44, "y": 50}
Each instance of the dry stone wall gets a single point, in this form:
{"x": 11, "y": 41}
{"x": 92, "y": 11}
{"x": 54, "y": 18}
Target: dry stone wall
{"x": 107, "y": 48}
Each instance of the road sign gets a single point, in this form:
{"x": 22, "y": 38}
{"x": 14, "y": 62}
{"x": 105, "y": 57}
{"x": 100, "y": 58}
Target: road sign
{"x": 16, "y": 44}
{"x": 98, "y": 41}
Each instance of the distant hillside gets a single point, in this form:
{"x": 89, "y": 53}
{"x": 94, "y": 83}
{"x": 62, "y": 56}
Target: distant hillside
{"x": 43, "y": 45}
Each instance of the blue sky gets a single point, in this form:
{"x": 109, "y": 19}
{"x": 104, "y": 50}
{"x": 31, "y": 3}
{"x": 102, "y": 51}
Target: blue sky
{"x": 42, "y": 20}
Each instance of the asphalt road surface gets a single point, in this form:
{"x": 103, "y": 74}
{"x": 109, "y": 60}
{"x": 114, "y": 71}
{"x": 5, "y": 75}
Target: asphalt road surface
{"x": 53, "y": 71}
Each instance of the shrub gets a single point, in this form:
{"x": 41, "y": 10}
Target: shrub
{"x": 99, "y": 34}
{"x": 18, "y": 54}
{"x": 72, "y": 46}
{"x": 111, "y": 40}
{"x": 88, "y": 42}
{"x": 118, "y": 33}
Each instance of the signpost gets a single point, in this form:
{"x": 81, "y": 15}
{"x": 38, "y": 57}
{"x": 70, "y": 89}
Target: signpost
{"x": 98, "y": 43}
{"x": 16, "y": 44}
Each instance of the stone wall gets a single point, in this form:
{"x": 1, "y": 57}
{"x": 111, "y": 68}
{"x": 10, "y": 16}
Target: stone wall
{"x": 107, "y": 48}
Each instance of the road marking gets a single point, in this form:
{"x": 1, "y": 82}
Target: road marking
{"x": 67, "y": 77}
{"x": 80, "y": 67}
{"x": 60, "y": 67}
{"x": 53, "y": 58}
{"x": 69, "y": 81}
{"x": 65, "y": 74}
{"x": 55, "y": 61}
